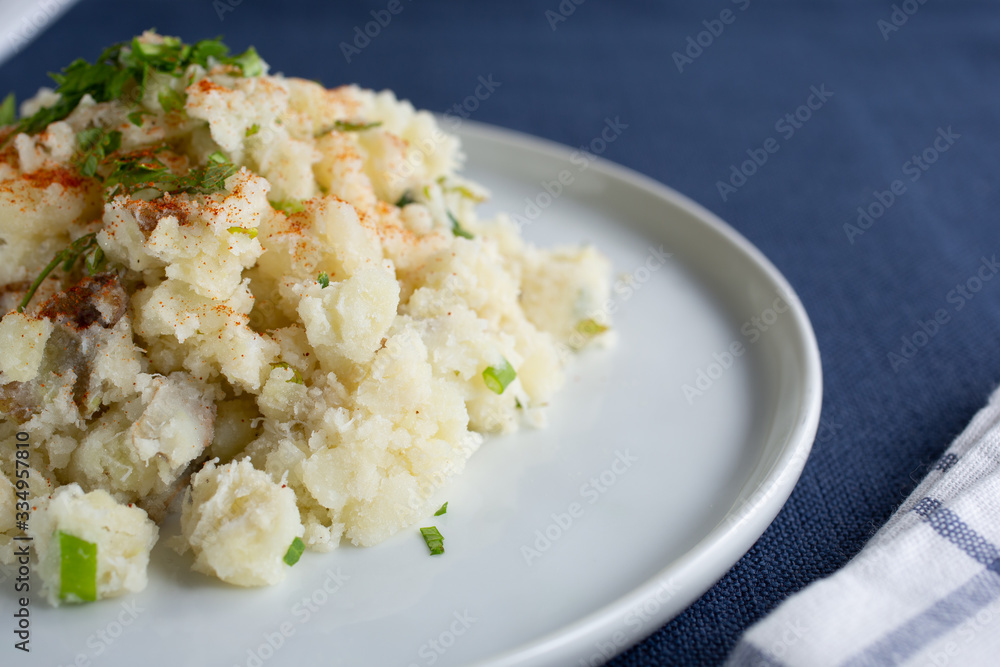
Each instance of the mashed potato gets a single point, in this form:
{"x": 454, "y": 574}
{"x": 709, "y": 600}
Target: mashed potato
{"x": 272, "y": 301}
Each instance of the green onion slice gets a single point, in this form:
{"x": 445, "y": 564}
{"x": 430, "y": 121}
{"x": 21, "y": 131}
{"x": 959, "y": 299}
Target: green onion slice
{"x": 347, "y": 126}
{"x": 294, "y": 552}
{"x": 288, "y": 206}
{"x": 498, "y": 377}
{"x": 442, "y": 510}
{"x": 457, "y": 229}
{"x": 77, "y": 569}
{"x": 405, "y": 200}
{"x": 296, "y": 376}
{"x": 249, "y": 231}
{"x": 591, "y": 327}
{"x": 8, "y": 110}
{"x": 435, "y": 541}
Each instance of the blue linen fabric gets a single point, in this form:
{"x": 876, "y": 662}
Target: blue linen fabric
{"x": 784, "y": 119}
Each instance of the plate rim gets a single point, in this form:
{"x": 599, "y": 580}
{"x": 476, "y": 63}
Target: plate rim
{"x": 726, "y": 543}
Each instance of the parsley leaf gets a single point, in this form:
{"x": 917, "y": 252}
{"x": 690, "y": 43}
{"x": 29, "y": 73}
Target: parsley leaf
{"x": 136, "y": 117}
{"x": 95, "y": 145}
{"x": 142, "y": 170}
{"x": 323, "y": 279}
{"x": 86, "y": 246}
{"x": 208, "y": 179}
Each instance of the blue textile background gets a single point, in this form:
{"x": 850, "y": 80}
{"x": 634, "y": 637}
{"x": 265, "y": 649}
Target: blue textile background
{"x": 884, "y": 422}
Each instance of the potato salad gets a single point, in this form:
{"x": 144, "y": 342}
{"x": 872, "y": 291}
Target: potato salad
{"x": 261, "y": 304}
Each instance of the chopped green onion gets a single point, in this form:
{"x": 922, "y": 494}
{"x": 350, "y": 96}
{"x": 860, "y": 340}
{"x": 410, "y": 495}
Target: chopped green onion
{"x": 405, "y": 200}
{"x": 252, "y": 233}
{"x": 252, "y": 130}
{"x": 435, "y": 541}
{"x": 467, "y": 193}
{"x": 249, "y": 62}
{"x": 323, "y": 279}
{"x": 591, "y": 327}
{"x": 294, "y": 552}
{"x": 498, "y": 377}
{"x": 288, "y": 206}
{"x": 346, "y": 126}
{"x": 442, "y": 510}
{"x": 296, "y": 377}
{"x": 460, "y": 189}
{"x": 457, "y": 229}
{"x": 77, "y": 569}
{"x": 8, "y": 110}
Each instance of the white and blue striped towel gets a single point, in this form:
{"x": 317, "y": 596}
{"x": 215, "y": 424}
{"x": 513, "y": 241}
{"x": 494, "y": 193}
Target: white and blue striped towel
{"x": 924, "y": 592}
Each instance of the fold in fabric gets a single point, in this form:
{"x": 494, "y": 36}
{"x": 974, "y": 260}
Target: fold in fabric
{"x": 925, "y": 591}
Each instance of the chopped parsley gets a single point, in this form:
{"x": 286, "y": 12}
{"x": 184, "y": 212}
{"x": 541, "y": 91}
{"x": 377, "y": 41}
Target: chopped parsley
{"x": 8, "y": 110}
{"x": 435, "y": 541}
{"x": 252, "y": 130}
{"x": 136, "y": 117}
{"x": 288, "y": 206}
{"x": 125, "y": 68}
{"x": 323, "y": 279}
{"x": 95, "y": 145}
{"x": 294, "y": 552}
{"x": 249, "y": 62}
{"x": 86, "y": 246}
{"x": 142, "y": 171}
{"x": 77, "y": 568}
{"x": 347, "y": 126}
{"x": 457, "y": 229}
{"x": 498, "y": 377}
{"x": 296, "y": 377}
{"x": 442, "y": 510}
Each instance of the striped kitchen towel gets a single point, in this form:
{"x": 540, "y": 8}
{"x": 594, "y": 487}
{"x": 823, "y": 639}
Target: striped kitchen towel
{"x": 924, "y": 592}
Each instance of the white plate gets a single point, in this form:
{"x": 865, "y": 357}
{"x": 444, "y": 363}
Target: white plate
{"x": 682, "y": 488}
